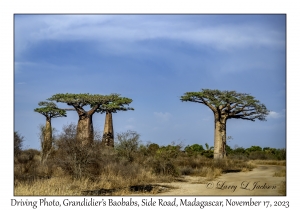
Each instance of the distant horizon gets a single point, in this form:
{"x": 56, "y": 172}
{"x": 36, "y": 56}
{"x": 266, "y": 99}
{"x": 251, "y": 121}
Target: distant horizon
{"x": 153, "y": 59}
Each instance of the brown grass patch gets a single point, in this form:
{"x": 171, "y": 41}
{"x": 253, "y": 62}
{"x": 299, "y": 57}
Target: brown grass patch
{"x": 281, "y": 173}
{"x": 282, "y": 188}
{"x": 269, "y": 162}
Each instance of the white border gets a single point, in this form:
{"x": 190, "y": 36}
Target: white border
{"x": 9, "y": 8}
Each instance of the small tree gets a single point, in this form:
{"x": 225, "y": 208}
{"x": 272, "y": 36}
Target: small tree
{"x": 127, "y": 144}
{"x": 115, "y": 104}
{"x": 49, "y": 110}
{"x": 18, "y": 143}
{"x": 74, "y": 158}
{"x": 227, "y": 105}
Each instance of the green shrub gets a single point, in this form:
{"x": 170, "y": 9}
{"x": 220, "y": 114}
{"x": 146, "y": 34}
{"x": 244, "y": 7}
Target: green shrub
{"x": 152, "y": 148}
{"x": 253, "y": 149}
{"x": 194, "y": 149}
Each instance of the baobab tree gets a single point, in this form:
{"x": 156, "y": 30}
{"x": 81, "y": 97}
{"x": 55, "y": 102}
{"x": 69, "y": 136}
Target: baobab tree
{"x": 116, "y": 104}
{"x": 227, "y": 105}
{"x": 85, "y": 130}
{"x": 49, "y": 110}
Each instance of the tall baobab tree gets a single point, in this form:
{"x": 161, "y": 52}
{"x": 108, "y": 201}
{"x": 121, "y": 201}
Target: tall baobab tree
{"x": 116, "y": 104}
{"x": 85, "y": 130}
{"x": 49, "y": 110}
{"x": 227, "y": 105}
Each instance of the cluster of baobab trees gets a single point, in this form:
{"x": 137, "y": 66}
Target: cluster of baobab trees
{"x": 107, "y": 104}
{"x": 224, "y": 105}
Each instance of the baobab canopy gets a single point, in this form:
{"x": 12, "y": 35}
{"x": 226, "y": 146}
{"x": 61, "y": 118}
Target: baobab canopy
{"x": 85, "y": 130}
{"x": 98, "y": 103}
{"x": 50, "y": 110}
{"x": 115, "y": 104}
{"x": 80, "y": 100}
{"x": 227, "y": 105}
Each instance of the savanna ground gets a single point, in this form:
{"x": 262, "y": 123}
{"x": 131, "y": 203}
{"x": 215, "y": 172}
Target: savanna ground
{"x": 131, "y": 168}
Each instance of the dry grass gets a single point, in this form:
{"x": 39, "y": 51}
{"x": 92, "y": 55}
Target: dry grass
{"x": 281, "y": 173}
{"x": 53, "y": 186}
{"x": 268, "y": 162}
{"x": 59, "y": 186}
{"x": 117, "y": 176}
{"x": 67, "y": 186}
{"x": 201, "y": 166}
{"x": 113, "y": 176}
{"x": 213, "y": 173}
{"x": 282, "y": 188}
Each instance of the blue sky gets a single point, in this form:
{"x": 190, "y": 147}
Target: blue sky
{"x": 153, "y": 59}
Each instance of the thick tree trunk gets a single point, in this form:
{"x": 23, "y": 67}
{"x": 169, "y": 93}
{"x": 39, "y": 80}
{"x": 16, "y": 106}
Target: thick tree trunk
{"x": 85, "y": 130}
{"x": 108, "y": 134}
{"x": 220, "y": 139}
{"x": 47, "y": 141}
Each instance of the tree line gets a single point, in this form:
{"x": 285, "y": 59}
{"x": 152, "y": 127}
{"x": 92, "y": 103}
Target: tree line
{"x": 253, "y": 152}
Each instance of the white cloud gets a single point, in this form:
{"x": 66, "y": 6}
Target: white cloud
{"x": 274, "y": 115}
{"x": 130, "y": 29}
{"x": 163, "y": 117}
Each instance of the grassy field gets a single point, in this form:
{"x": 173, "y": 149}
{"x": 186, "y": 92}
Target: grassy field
{"x": 74, "y": 169}
{"x": 115, "y": 175}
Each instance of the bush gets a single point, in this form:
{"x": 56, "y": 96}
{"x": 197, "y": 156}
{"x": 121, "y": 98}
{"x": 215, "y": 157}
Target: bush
{"x": 152, "y": 148}
{"x": 258, "y": 155}
{"x": 208, "y": 153}
{"x": 280, "y": 154}
{"x": 78, "y": 160}
{"x": 26, "y": 165}
{"x": 18, "y": 143}
{"x": 228, "y": 150}
{"x": 73, "y": 157}
{"x": 168, "y": 152}
{"x": 239, "y": 150}
{"x": 194, "y": 149}
{"x": 165, "y": 168}
{"x": 127, "y": 144}
{"x": 253, "y": 149}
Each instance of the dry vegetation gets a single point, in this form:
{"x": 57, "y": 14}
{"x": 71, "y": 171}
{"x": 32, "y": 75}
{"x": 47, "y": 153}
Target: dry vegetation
{"x": 282, "y": 188}
{"x": 115, "y": 174}
{"x": 74, "y": 169}
{"x": 269, "y": 162}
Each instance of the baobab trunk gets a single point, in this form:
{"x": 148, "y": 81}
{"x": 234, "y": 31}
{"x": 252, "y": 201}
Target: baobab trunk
{"x": 220, "y": 139}
{"x": 85, "y": 130}
{"x": 47, "y": 140}
{"x": 108, "y": 134}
